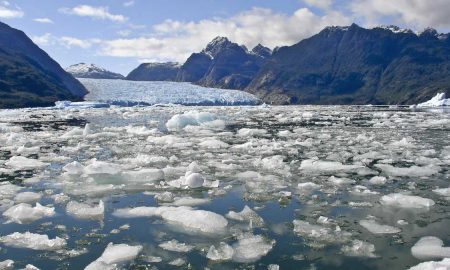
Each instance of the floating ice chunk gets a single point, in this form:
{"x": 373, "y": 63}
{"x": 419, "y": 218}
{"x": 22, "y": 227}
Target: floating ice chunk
{"x": 194, "y": 180}
{"x": 101, "y": 167}
{"x": 406, "y": 201}
{"x": 442, "y": 191}
{"x": 430, "y": 247}
{"x": 223, "y": 253}
{"x": 442, "y": 265}
{"x": 251, "y": 248}
{"x": 359, "y": 248}
{"x": 85, "y": 211}
{"x": 378, "y": 180}
{"x": 320, "y": 233}
{"x": 402, "y": 222}
{"x": 30, "y": 267}
{"x": 23, "y": 163}
{"x": 33, "y": 241}
{"x": 201, "y": 220}
{"x": 318, "y": 166}
{"x": 144, "y": 175}
{"x": 213, "y": 144}
{"x": 25, "y": 213}
{"x": 178, "y": 262}
{"x": 439, "y": 100}
{"x": 114, "y": 255}
{"x": 166, "y": 196}
{"x": 7, "y": 193}
{"x": 7, "y": 265}
{"x": 376, "y": 228}
{"x": 87, "y": 130}
{"x": 273, "y": 267}
{"x": 413, "y": 171}
{"x": 27, "y": 197}
{"x": 247, "y": 214}
{"x": 340, "y": 181}
{"x": 308, "y": 186}
{"x": 28, "y": 150}
{"x": 74, "y": 168}
{"x": 194, "y": 118}
{"x": 403, "y": 143}
{"x": 251, "y": 132}
{"x": 174, "y": 245}
{"x": 196, "y": 220}
{"x": 273, "y": 163}
{"x": 189, "y": 201}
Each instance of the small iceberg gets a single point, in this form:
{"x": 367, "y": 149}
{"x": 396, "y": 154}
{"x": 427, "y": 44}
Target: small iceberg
{"x": 438, "y": 100}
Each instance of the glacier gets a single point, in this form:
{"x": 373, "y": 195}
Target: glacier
{"x": 130, "y": 93}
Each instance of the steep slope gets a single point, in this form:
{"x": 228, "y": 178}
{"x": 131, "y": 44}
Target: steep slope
{"x": 83, "y": 70}
{"x": 154, "y": 72}
{"x": 28, "y": 76}
{"x": 223, "y": 64}
{"x": 353, "y": 65}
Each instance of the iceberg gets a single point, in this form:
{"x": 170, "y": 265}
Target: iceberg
{"x": 439, "y": 100}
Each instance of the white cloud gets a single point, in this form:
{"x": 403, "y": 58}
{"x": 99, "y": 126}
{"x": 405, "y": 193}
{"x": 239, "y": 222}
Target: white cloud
{"x": 322, "y": 4}
{"x": 176, "y": 40}
{"x": 412, "y": 13}
{"x": 70, "y": 42}
{"x": 43, "y": 40}
{"x": 128, "y": 3}
{"x": 94, "y": 12}
{"x": 43, "y": 20}
{"x": 7, "y": 12}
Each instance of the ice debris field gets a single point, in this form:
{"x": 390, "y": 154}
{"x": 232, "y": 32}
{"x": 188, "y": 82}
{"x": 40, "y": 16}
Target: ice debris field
{"x": 300, "y": 187}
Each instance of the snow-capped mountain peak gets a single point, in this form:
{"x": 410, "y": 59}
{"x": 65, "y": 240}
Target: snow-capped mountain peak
{"x": 83, "y": 70}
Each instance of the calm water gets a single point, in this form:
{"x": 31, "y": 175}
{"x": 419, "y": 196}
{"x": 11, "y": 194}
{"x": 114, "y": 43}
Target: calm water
{"x": 260, "y": 155}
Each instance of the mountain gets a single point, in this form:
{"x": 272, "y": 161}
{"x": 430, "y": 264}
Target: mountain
{"x": 30, "y": 77}
{"x": 223, "y": 64}
{"x": 92, "y": 71}
{"x": 155, "y": 72}
{"x": 354, "y": 65}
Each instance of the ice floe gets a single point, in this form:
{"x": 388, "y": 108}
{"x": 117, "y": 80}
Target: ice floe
{"x": 33, "y": 241}
{"x": 85, "y": 211}
{"x": 174, "y": 245}
{"x": 406, "y": 201}
{"x": 115, "y": 255}
{"x": 25, "y": 213}
{"x": 23, "y": 163}
{"x": 376, "y": 228}
{"x": 430, "y": 247}
{"x": 251, "y": 248}
{"x": 432, "y": 265}
{"x": 191, "y": 219}
{"x": 359, "y": 248}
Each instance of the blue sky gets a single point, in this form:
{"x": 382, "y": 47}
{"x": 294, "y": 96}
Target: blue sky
{"x": 120, "y": 34}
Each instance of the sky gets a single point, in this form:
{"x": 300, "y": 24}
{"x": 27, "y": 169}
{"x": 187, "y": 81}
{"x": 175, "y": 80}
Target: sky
{"x": 121, "y": 34}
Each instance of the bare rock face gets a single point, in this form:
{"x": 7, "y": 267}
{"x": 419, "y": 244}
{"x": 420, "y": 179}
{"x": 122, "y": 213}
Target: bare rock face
{"x": 155, "y": 72}
{"x": 29, "y": 77}
{"x": 354, "y": 65}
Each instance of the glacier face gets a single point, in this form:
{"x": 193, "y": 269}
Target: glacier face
{"x": 121, "y": 92}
